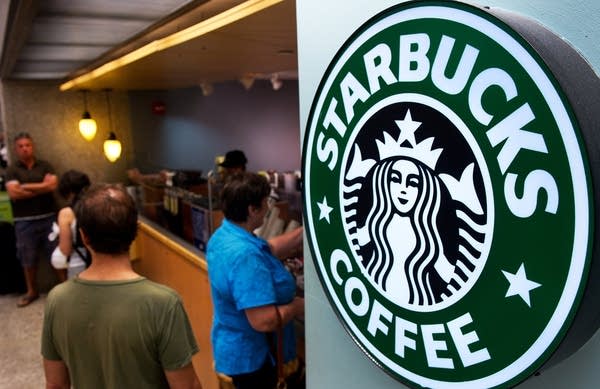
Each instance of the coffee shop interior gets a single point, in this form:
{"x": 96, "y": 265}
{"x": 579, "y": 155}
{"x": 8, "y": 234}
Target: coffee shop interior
{"x": 178, "y": 84}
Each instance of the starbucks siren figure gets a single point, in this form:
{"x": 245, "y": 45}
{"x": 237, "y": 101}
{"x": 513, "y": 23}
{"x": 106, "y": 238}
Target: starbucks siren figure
{"x": 402, "y": 249}
{"x": 406, "y": 201}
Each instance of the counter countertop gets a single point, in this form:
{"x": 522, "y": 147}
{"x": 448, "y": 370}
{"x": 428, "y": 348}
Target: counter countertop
{"x": 184, "y": 248}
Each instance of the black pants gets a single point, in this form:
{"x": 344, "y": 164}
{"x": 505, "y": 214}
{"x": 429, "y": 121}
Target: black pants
{"x": 263, "y": 378}
{"x": 12, "y": 279}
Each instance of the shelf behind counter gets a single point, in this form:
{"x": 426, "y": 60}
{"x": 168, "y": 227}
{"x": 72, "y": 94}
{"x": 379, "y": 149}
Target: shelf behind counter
{"x": 186, "y": 213}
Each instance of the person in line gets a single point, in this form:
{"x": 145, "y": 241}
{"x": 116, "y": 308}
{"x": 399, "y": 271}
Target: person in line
{"x": 110, "y": 327}
{"x": 235, "y": 162}
{"x": 69, "y": 257}
{"x": 250, "y": 287}
{"x": 30, "y": 183}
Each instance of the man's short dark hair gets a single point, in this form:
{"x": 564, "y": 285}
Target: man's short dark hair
{"x": 240, "y": 191}
{"x": 22, "y": 135}
{"x": 107, "y": 215}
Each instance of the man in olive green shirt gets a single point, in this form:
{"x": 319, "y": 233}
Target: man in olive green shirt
{"x": 110, "y": 327}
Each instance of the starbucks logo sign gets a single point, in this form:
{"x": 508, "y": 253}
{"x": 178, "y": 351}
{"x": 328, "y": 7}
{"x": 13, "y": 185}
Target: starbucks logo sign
{"x": 447, "y": 197}
{"x": 420, "y": 229}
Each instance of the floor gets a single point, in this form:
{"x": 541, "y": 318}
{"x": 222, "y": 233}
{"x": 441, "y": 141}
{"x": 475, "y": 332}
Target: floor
{"x": 20, "y": 331}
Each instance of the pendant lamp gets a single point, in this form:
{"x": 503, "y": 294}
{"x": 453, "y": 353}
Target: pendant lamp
{"x": 87, "y": 125}
{"x": 112, "y": 146}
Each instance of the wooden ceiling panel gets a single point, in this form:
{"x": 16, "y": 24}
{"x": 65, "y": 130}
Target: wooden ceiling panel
{"x": 83, "y": 30}
{"x": 140, "y": 9}
{"x": 61, "y": 53}
{"x": 260, "y": 44}
{"x": 44, "y": 31}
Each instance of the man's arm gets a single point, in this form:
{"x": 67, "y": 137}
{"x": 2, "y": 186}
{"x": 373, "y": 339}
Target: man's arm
{"x": 158, "y": 179}
{"x": 57, "y": 375}
{"x": 184, "y": 378}
{"x": 49, "y": 184}
{"x": 18, "y": 191}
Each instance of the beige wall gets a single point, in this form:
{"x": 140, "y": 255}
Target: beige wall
{"x": 52, "y": 117}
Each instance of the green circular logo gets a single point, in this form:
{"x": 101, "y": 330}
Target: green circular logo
{"x": 447, "y": 197}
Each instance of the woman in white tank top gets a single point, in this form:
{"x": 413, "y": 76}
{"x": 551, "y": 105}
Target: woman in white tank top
{"x": 65, "y": 257}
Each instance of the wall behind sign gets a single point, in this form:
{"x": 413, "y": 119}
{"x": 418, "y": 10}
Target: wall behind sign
{"x": 333, "y": 359}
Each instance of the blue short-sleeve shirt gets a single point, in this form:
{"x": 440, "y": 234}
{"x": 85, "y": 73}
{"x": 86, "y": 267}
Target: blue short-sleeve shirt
{"x": 244, "y": 274}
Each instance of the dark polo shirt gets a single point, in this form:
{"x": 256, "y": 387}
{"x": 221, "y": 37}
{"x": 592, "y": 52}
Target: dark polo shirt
{"x": 40, "y": 205}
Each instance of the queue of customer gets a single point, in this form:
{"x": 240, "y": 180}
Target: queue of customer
{"x": 106, "y": 326}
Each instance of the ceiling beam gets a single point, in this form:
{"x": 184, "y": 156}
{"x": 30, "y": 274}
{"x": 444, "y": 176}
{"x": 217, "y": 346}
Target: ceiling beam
{"x": 20, "y": 20}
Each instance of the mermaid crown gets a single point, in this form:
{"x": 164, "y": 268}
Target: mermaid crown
{"x": 407, "y": 146}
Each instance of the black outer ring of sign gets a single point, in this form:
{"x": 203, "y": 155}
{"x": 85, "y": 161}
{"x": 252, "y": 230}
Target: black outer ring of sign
{"x": 581, "y": 86}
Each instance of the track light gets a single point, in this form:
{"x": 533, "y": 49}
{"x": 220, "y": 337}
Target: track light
{"x": 207, "y": 88}
{"x": 247, "y": 81}
{"x": 276, "y": 82}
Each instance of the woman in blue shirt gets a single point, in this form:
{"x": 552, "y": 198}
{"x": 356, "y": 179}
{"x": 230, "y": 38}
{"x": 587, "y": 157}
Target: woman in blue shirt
{"x": 250, "y": 286}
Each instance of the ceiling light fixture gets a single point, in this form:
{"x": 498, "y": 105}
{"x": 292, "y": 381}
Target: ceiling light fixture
{"x": 112, "y": 146}
{"x": 207, "y": 88}
{"x": 276, "y": 82}
{"x": 87, "y": 125}
{"x": 247, "y": 80}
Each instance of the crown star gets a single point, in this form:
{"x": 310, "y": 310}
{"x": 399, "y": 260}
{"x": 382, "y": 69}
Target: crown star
{"x": 407, "y": 128}
{"x": 421, "y": 151}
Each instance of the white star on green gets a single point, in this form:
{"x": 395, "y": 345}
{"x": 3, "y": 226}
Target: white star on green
{"x": 519, "y": 284}
{"x": 324, "y": 210}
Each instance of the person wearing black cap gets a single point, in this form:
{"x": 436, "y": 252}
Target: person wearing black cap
{"x": 234, "y": 162}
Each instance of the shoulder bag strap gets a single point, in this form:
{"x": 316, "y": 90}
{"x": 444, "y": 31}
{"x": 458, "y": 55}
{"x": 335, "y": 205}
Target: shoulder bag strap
{"x": 281, "y": 383}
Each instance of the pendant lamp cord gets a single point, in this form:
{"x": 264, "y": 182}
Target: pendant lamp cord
{"x": 85, "y": 109}
{"x": 109, "y": 114}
